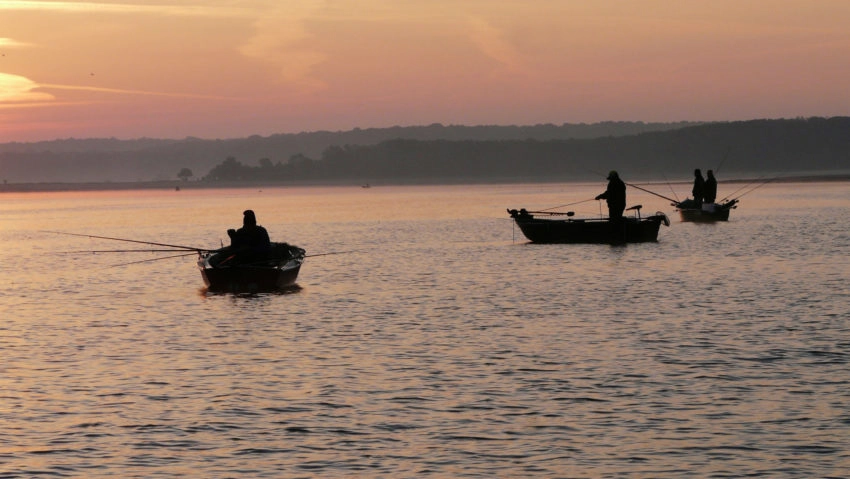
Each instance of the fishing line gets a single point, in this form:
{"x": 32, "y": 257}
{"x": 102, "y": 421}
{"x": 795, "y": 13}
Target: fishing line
{"x": 671, "y": 187}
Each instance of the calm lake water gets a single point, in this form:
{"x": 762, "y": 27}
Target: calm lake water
{"x": 444, "y": 346}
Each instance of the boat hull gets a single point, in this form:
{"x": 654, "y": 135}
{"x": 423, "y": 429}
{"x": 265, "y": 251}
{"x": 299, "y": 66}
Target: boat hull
{"x": 246, "y": 279}
{"x": 688, "y": 212}
{"x": 592, "y": 230}
{"x": 222, "y": 272}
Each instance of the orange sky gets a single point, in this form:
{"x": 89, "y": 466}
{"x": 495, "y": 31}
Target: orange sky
{"x": 223, "y": 69}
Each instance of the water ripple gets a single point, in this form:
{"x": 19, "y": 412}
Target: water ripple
{"x": 446, "y": 350}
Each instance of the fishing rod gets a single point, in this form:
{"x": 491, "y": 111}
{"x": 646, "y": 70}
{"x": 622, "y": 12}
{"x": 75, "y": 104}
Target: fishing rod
{"x": 546, "y": 210}
{"x": 638, "y": 187}
{"x": 652, "y": 193}
{"x": 552, "y": 213}
{"x": 192, "y": 248}
{"x": 732, "y": 195}
{"x": 725, "y": 156}
{"x": 756, "y": 187}
{"x": 153, "y": 259}
{"x": 122, "y": 251}
{"x": 739, "y": 189}
{"x": 264, "y": 261}
{"x": 335, "y": 252}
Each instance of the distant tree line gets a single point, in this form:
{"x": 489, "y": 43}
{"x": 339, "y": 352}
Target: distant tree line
{"x": 298, "y": 167}
{"x": 437, "y": 152}
{"x": 110, "y": 159}
{"x": 768, "y": 146}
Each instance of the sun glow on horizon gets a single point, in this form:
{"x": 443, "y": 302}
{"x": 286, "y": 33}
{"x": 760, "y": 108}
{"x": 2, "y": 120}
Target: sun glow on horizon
{"x": 17, "y": 89}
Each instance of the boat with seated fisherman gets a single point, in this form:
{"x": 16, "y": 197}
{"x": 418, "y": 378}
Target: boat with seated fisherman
{"x": 226, "y": 270}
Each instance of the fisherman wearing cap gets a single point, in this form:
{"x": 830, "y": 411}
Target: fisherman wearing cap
{"x": 615, "y": 196}
{"x": 251, "y": 240}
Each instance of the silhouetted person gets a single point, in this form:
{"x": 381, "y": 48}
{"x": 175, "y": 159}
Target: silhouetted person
{"x": 615, "y": 196}
{"x": 699, "y": 187}
{"x": 710, "y": 190}
{"x": 251, "y": 241}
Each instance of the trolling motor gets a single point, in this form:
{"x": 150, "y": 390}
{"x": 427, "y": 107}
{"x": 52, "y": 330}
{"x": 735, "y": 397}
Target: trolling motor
{"x": 523, "y": 213}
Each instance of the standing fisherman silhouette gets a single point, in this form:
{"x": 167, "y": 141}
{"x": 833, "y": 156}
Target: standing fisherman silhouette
{"x": 251, "y": 241}
{"x": 710, "y": 189}
{"x": 615, "y": 196}
{"x": 699, "y": 188}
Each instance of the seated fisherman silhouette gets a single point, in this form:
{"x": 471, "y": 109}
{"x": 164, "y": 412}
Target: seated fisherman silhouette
{"x": 251, "y": 241}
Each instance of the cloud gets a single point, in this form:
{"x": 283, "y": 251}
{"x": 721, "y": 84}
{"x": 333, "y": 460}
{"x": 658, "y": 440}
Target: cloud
{"x": 492, "y": 43}
{"x": 18, "y": 89}
{"x": 122, "y": 8}
{"x": 10, "y": 43}
{"x": 280, "y": 39}
{"x": 120, "y": 91}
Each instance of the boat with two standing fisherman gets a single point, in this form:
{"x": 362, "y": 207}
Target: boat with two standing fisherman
{"x": 562, "y": 227}
{"x": 690, "y": 211}
{"x": 709, "y": 212}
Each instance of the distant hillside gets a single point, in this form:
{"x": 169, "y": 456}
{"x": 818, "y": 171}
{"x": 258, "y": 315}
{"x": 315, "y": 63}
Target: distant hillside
{"x": 813, "y": 146}
{"x": 86, "y": 160}
{"x": 750, "y": 148}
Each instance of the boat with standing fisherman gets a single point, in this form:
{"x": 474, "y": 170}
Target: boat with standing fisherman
{"x": 702, "y": 207}
{"x": 690, "y": 210}
{"x": 549, "y": 226}
{"x": 563, "y": 227}
{"x": 707, "y": 212}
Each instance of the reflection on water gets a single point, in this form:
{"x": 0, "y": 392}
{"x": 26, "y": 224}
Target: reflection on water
{"x": 292, "y": 289}
{"x": 445, "y": 346}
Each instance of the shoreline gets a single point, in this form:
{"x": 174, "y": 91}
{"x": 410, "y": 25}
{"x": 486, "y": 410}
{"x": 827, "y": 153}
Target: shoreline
{"x": 196, "y": 185}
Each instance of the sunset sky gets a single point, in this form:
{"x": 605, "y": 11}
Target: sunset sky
{"x": 224, "y": 69}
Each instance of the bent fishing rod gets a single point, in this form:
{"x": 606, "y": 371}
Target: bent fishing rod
{"x": 638, "y": 187}
{"x": 652, "y": 193}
